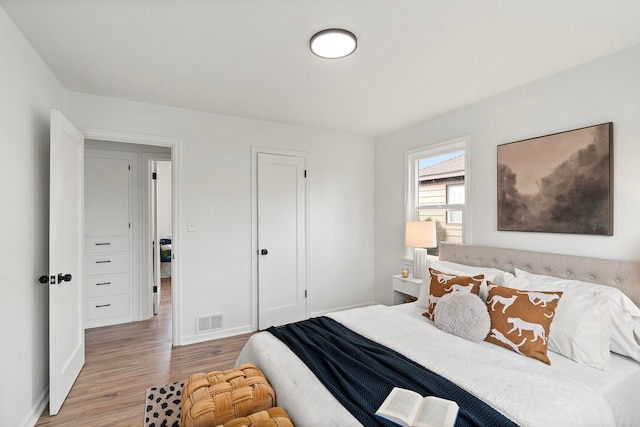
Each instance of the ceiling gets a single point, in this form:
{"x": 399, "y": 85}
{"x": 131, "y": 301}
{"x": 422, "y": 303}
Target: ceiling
{"x": 416, "y": 59}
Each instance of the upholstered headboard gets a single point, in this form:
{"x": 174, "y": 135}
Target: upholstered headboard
{"x": 624, "y": 275}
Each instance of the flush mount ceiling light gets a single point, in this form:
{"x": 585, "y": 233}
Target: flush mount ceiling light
{"x": 333, "y": 43}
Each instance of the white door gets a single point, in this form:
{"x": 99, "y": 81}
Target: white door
{"x": 157, "y": 281}
{"x": 150, "y": 264}
{"x": 282, "y": 240}
{"x": 66, "y": 204}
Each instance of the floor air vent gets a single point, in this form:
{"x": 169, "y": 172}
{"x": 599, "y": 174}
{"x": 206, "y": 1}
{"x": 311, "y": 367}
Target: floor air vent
{"x": 209, "y": 323}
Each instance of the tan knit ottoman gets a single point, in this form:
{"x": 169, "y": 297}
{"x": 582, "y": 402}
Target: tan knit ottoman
{"x": 274, "y": 417}
{"x": 218, "y": 397}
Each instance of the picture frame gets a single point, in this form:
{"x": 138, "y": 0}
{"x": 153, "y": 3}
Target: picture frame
{"x": 558, "y": 183}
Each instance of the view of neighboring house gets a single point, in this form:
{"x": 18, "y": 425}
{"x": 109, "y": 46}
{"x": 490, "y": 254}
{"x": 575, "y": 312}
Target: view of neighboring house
{"x": 441, "y": 197}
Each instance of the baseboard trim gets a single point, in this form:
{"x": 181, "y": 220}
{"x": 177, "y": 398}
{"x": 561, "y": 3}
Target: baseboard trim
{"x": 41, "y": 403}
{"x": 195, "y": 339}
{"x": 347, "y": 307}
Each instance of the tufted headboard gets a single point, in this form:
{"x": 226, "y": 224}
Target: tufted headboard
{"x": 624, "y": 275}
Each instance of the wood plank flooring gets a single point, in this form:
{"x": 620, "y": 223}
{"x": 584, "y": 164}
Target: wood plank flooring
{"x": 122, "y": 361}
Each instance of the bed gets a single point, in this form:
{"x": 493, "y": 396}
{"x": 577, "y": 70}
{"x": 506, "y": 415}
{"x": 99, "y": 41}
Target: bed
{"x": 528, "y": 392}
{"x": 165, "y": 258}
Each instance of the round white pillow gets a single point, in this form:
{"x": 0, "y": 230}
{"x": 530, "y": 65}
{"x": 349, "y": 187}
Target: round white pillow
{"x": 463, "y": 314}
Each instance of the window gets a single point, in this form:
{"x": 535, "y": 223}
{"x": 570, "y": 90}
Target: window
{"x": 436, "y": 187}
{"x": 455, "y": 196}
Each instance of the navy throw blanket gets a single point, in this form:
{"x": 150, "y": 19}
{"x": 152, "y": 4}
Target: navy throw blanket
{"x": 360, "y": 373}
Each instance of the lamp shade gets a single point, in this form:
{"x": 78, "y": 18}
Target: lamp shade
{"x": 421, "y": 234}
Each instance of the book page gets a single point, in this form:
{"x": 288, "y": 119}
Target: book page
{"x": 437, "y": 412}
{"x": 400, "y": 405}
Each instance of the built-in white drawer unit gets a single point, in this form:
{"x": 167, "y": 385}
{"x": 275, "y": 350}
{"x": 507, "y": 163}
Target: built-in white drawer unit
{"x": 102, "y": 286}
{"x": 107, "y": 263}
{"x": 107, "y": 308}
{"x": 108, "y": 244}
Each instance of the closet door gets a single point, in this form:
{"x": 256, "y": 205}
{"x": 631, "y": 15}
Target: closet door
{"x": 282, "y": 239}
{"x": 108, "y": 238}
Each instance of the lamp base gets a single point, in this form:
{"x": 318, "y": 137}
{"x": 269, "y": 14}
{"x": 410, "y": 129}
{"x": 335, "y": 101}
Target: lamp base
{"x": 419, "y": 263}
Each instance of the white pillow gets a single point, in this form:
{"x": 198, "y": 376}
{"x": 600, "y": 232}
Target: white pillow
{"x": 423, "y": 296}
{"x": 625, "y": 315}
{"x": 581, "y": 327}
{"x": 472, "y": 270}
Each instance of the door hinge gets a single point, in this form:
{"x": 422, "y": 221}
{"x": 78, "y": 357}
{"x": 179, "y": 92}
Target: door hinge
{"x": 129, "y": 167}
{"x": 305, "y": 293}
{"x": 154, "y": 175}
{"x": 305, "y": 173}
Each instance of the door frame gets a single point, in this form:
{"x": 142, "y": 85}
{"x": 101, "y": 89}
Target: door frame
{"x": 174, "y": 144}
{"x": 254, "y": 226}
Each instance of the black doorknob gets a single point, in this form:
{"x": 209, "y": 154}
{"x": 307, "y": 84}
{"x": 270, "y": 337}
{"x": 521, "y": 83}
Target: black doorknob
{"x": 43, "y": 279}
{"x": 264, "y": 252}
{"x": 63, "y": 278}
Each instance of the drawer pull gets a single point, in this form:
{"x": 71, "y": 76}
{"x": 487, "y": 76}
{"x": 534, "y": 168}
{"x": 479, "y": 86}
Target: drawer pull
{"x": 103, "y": 243}
{"x": 103, "y": 283}
{"x": 103, "y": 305}
{"x": 103, "y": 262}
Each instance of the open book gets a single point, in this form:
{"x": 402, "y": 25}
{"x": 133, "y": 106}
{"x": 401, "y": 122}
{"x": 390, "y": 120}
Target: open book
{"x": 410, "y": 409}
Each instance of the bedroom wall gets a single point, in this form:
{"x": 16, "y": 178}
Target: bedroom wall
{"x": 600, "y": 91}
{"x": 29, "y": 90}
{"x": 215, "y": 194}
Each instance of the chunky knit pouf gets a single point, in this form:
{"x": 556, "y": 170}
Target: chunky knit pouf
{"x": 274, "y": 417}
{"x": 210, "y": 399}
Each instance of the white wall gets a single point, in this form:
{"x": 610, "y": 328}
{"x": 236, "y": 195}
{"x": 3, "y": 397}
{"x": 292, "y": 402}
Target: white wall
{"x": 28, "y": 91}
{"x": 604, "y": 90}
{"x": 215, "y": 194}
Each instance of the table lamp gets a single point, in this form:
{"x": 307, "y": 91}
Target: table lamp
{"x": 420, "y": 235}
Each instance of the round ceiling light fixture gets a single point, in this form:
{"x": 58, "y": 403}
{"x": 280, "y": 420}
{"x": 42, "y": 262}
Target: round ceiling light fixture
{"x": 333, "y": 43}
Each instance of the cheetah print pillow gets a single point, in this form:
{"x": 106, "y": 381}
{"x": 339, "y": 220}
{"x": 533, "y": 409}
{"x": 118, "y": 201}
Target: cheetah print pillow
{"x": 444, "y": 283}
{"x": 520, "y": 320}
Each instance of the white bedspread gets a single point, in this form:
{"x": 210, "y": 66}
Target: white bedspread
{"x": 619, "y": 385}
{"x": 519, "y": 387}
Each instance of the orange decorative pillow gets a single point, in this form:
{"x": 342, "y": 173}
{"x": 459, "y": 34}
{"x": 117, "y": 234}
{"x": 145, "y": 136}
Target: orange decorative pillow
{"x": 520, "y": 320}
{"x": 445, "y": 283}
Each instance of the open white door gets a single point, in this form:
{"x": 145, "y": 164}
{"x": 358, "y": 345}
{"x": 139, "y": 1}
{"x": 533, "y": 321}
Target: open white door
{"x": 157, "y": 281}
{"x": 66, "y": 204}
{"x": 282, "y": 240}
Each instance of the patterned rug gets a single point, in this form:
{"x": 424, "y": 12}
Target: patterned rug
{"x": 162, "y": 407}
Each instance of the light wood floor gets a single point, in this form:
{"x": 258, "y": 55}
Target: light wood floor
{"x": 122, "y": 361}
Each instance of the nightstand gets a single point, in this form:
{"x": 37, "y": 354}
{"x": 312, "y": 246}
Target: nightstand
{"x": 403, "y": 287}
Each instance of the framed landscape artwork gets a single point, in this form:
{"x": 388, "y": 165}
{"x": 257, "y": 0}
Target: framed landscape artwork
{"x": 560, "y": 183}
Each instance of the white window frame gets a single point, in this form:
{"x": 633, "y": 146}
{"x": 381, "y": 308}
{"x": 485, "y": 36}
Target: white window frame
{"x": 449, "y": 186}
{"x": 411, "y": 183}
